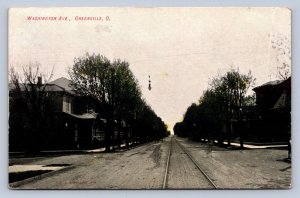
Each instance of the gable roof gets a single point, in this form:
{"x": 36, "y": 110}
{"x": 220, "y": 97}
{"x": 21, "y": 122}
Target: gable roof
{"x": 275, "y": 83}
{"x": 49, "y": 87}
{"x": 63, "y": 82}
{"x": 59, "y": 85}
{"x": 268, "y": 84}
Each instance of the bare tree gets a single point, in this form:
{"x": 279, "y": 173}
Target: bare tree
{"x": 29, "y": 91}
{"x": 282, "y": 46}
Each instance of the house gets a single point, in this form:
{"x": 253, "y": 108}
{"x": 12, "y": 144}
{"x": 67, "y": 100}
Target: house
{"x": 270, "y": 119}
{"x": 274, "y": 95}
{"x": 74, "y": 115}
{"x": 273, "y": 100}
{"x": 68, "y": 124}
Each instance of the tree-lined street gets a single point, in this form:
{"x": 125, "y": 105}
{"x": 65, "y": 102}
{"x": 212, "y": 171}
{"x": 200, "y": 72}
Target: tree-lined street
{"x": 192, "y": 98}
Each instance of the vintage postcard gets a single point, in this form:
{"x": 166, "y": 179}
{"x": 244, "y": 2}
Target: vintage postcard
{"x": 150, "y": 98}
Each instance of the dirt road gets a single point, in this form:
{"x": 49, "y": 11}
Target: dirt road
{"x": 143, "y": 167}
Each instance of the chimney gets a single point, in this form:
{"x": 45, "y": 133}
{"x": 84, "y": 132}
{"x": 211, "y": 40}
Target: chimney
{"x": 39, "y": 82}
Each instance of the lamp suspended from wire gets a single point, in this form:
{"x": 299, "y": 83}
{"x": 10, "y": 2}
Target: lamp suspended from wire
{"x": 149, "y": 86}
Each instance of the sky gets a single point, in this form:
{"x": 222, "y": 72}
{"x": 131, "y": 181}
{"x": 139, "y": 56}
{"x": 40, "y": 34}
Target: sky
{"x": 182, "y": 49}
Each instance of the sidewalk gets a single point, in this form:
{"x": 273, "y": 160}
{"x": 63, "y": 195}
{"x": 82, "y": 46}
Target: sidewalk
{"x": 259, "y": 146}
{"x": 255, "y": 145}
{"x": 23, "y": 173}
{"x": 62, "y": 152}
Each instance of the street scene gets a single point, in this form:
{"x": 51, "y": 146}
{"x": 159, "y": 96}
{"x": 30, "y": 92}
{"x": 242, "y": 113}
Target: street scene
{"x": 139, "y": 98}
{"x": 145, "y": 167}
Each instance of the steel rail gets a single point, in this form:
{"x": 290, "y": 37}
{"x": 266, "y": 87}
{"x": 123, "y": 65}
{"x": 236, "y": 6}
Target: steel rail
{"x": 197, "y": 165}
{"x": 167, "y": 166}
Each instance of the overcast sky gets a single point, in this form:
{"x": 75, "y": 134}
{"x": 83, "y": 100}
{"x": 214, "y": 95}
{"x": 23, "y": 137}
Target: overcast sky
{"x": 181, "y": 48}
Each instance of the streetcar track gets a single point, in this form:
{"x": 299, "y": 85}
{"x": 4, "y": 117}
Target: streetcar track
{"x": 167, "y": 166}
{"x": 165, "y": 181}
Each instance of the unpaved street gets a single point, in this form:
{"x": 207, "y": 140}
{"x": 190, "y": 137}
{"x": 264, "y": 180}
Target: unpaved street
{"x": 183, "y": 173}
{"x": 143, "y": 167}
{"x": 245, "y": 169}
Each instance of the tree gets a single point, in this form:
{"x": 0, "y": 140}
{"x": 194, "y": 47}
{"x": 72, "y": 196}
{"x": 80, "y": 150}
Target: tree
{"x": 91, "y": 75}
{"x": 28, "y": 92}
{"x": 211, "y": 110}
{"x": 118, "y": 96}
{"x": 282, "y": 46}
{"x": 95, "y": 76}
{"x": 179, "y": 129}
{"x": 231, "y": 90}
{"x": 126, "y": 95}
{"x": 191, "y": 119}
{"x": 150, "y": 124}
{"x": 218, "y": 105}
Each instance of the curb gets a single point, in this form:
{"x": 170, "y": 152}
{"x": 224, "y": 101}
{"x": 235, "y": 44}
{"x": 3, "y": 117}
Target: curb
{"x": 14, "y": 185}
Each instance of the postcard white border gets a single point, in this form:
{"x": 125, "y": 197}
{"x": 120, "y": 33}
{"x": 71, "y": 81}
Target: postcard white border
{"x": 292, "y": 4}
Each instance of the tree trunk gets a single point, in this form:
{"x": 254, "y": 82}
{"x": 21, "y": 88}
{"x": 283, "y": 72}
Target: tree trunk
{"x": 241, "y": 134}
{"x": 108, "y": 133}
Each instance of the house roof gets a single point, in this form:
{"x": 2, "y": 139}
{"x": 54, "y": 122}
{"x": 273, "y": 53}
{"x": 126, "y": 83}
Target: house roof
{"x": 49, "y": 87}
{"x": 59, "y": 85}
{"x": 63, "y": 82}
{"x": 268, "y": 84}
{"x": 272, "y": 84}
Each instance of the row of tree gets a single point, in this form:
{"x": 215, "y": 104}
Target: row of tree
{"x": 109, "y": 86}
{"x": 117, "y": 94}
{"x": 210, "y": 119}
